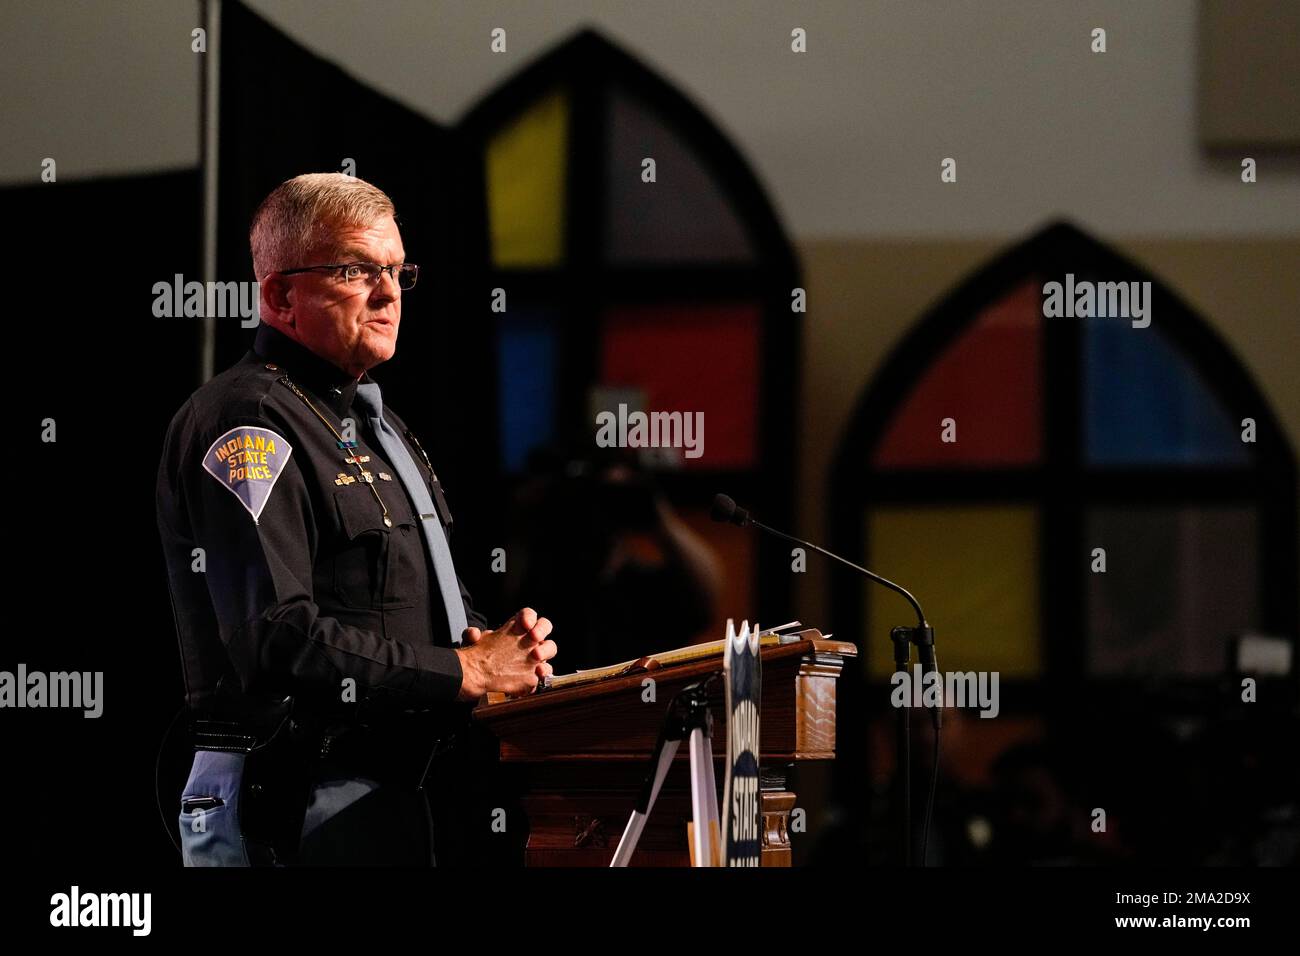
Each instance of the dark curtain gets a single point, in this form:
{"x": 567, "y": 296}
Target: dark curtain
{"x": 91, "y": 594}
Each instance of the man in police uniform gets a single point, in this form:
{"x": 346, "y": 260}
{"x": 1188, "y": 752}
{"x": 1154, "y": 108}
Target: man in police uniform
{"x": 328, "y": 645}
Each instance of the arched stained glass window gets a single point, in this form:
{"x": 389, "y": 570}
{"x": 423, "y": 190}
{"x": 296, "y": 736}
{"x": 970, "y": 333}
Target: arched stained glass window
{"x": 1001, "y": 455}
{"x": 642, "y": 265}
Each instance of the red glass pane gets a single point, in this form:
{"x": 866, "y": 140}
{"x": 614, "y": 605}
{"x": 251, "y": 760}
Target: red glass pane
{"x": 990, "y": 383}
{"x": 692, "y": 359}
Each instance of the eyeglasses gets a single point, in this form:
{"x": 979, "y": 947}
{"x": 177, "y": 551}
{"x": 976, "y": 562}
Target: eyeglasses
{"x": 365, "y": 273}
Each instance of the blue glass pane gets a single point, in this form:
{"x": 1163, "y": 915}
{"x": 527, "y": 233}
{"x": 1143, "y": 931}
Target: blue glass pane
{"x": 1146, "y": 405}
{"x": 526, "y": 354}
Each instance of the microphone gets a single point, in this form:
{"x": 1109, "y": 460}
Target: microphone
{"x": 726, "y": 511}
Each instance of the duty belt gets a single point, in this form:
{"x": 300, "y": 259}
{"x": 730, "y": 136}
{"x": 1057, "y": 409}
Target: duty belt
{"x": 225, "y": 736}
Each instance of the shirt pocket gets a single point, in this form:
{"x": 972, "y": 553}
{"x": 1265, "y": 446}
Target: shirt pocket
{"x": 375, "y": 565}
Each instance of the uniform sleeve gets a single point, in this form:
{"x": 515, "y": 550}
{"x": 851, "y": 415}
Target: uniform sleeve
{"x": 259, "y": 541}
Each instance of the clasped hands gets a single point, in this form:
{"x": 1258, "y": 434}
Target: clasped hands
{"x": 511, "y": 659}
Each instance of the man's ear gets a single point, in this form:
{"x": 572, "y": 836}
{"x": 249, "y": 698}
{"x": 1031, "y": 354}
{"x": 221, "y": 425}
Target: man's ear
{"x": 276, "y": 292}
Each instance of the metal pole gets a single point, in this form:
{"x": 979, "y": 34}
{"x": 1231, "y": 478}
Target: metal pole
{"x": 210, "y": 92}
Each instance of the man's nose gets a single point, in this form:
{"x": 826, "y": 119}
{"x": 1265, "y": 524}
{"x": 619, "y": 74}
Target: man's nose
{"x": 386, "y": 289}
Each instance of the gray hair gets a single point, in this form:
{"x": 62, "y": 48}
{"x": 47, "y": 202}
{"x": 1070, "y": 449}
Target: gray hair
{"x": 302, "y": 213}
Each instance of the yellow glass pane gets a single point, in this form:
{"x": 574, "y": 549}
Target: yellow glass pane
{"x": 525, "y": 184}
{"x": 975, "y": 572}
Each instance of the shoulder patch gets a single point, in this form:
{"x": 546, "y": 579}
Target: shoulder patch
{"x": 248, "y": 461}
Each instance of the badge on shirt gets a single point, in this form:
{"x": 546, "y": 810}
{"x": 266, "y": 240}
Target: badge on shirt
{"x": 247, "y": 461}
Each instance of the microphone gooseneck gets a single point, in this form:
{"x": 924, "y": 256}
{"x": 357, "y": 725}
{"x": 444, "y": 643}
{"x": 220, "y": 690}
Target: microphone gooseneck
{"x": 727, "y": 511}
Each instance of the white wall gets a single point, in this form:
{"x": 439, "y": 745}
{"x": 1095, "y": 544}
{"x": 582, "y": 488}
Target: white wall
{"x": 847, "y": 137}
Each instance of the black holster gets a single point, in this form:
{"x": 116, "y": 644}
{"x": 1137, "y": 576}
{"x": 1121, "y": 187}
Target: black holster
{"x": 277, "y": 779}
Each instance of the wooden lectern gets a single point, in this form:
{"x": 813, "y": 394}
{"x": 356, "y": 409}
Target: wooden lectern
{"x": 580, "y": 755}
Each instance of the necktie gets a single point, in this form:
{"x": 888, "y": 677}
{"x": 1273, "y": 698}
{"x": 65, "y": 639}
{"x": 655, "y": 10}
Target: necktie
{"x": 370, "y": 402}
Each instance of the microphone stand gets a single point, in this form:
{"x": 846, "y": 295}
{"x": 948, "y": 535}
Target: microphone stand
{"x": 903, "y": 637}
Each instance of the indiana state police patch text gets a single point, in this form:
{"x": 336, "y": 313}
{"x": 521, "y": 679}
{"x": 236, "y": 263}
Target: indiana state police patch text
{"x": 247, "y": 461}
